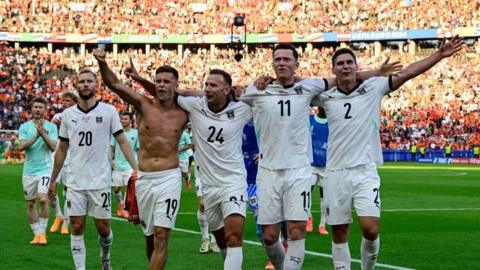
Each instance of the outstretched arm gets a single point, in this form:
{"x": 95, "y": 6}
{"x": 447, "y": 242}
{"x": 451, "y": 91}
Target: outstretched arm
{"x": 387, "y": 68}
{"x": 447, "y": 49}
{"x": 112, "y": 82}
{"x": 132, "y": 73}
{"x": 149, "y": 86}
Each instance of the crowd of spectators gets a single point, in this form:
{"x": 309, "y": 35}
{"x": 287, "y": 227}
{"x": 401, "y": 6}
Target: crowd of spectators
{"x": 164, "y": 17}
{"x": 438, "y": 108}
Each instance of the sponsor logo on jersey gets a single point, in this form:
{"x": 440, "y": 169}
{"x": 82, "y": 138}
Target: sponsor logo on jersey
{"x": 74, "y": 121}
{"x": 99, "y": 120}
{"x": 231, "y": 115}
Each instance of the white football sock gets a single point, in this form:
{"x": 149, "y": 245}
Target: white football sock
{"x": 322, "y": 209}
{"x": 35, "y": 228}
{"x": 276, "y": 253}
{"x": 66, "y": 221}
{"x": 43, "y": 224}
{"x": 234, "y": 259}
{"x": 105, "y": 244}
{"x": 295, "y": 254}
{"x": 118, "y": 196}
{"x": 212, "y": 239}
{"x": 369, "y": 253}
{"x": 58, "y": 209}
{"x": 341, "y": 256}
{"x": 77, "y": 245}
{"x": 202, "y": 222}
{"x": 223, "y": 251}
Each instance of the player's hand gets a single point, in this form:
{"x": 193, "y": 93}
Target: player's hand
{"x": 451, "y": 47}
{"x": 135, "y": 219}
{"x": 388, "y": 68}
{"x": 131, "y": 71}
{"x": 256, "y": 158}
{"x": 134, "y": 175}
{"x": 262, "y": 82}
{"x": 99, "y": 54}
{"x": 239, "y": 90}
{"x": 57, "y": 121}
{"x": 41, "y": 131}
{"x": 52, "y": 191}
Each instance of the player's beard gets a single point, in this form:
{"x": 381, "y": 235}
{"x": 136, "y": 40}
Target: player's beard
{"x": 86, "y": 96}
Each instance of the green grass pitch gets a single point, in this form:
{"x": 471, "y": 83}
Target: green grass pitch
{"x": 430, "y": 220}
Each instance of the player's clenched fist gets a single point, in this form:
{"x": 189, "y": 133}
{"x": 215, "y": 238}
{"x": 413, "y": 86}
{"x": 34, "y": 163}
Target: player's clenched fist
{"x": 99, "y": 54}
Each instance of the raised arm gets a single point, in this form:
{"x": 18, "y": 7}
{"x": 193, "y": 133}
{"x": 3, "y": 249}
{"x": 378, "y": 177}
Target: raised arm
{"x": 60, "y": 156}
{"x": 447, "y": 49}
{"x": 387, "y": 68}
{"x": 149, "y": 86}
{"x": 112, "y": 82}
{"x": 126, "y": 150}
{"x": 132, "y": 73}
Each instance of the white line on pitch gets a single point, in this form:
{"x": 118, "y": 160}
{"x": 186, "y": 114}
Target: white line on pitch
{"x": 313, "y": 253}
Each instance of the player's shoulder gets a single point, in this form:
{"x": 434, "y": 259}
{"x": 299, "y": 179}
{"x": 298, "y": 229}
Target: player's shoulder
{"x": 26, "y": 125}
{"x": 50, "y": 125}
{"x": 106, "y": 107}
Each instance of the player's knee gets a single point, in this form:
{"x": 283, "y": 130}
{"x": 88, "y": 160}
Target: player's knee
{"x": 340, "y": 233}
{"x": 296, "y": 232}
{"x": 269, "y": 238}
{"x": 77, "y": 227}
{"x": 370, "y": 233}
{"x": 31, "y": 205}
{"x": 116, "y": 190}
{"x": 43, "y": 201}
{"x": 234, "y": 239}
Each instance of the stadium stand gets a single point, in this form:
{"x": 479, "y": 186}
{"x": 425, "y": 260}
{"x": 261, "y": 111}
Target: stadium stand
{"x": 211, "y": 17}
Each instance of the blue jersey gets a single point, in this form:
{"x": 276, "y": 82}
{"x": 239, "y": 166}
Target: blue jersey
{"x": 319, "y": 128}
{"x": 250, "y": 149}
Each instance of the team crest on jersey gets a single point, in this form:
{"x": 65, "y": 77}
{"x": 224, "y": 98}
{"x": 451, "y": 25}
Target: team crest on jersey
{"x": 298, "y": 89}
{"x": 99, "y": 120}
{"x": 362, "y": 91}
{"x": 231, "y": 115}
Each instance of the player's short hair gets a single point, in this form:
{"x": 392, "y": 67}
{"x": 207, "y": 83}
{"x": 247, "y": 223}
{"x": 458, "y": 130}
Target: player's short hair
{"x": 87, "y": 71}
{"x": 70, "y": 95}
{"x": 286, "y": 46}
{"x": 224, "y": 74}
{"x": 127, "y": 113}
{"x": 41, "y": 100}
{"x": 167, "y": 69}
{"x": 343, "y": 51}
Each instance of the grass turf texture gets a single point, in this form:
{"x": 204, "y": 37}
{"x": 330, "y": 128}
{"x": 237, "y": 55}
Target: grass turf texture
{"x": 430, "y": 220}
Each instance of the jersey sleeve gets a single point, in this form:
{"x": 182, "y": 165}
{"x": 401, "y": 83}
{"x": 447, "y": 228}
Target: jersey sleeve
{"x": 52, "y": 133}
{"x": 317, "y": 85}
{"x": 115, "y": 125}
{"x": 382, "y": 85}
{"x": 187, "y": 103}
{"x": 63, "y": 132}
{"x": 248, "y": 96}
{"x": 23, "y": 133}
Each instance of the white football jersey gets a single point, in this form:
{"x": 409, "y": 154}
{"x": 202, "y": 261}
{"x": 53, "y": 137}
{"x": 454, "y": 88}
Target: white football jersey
{"x": 218, "y": 140}
{"x": 354, "y": 123}
{"x": 88, "y": 134}
{"x": 282, "y": 124}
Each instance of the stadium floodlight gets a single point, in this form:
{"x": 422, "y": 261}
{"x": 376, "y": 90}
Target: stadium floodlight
{"x": 238, "y": 45}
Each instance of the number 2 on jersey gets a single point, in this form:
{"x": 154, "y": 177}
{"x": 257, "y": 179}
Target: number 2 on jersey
{"x": 218, "y": 137}
{"x": 347, "y": 114}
